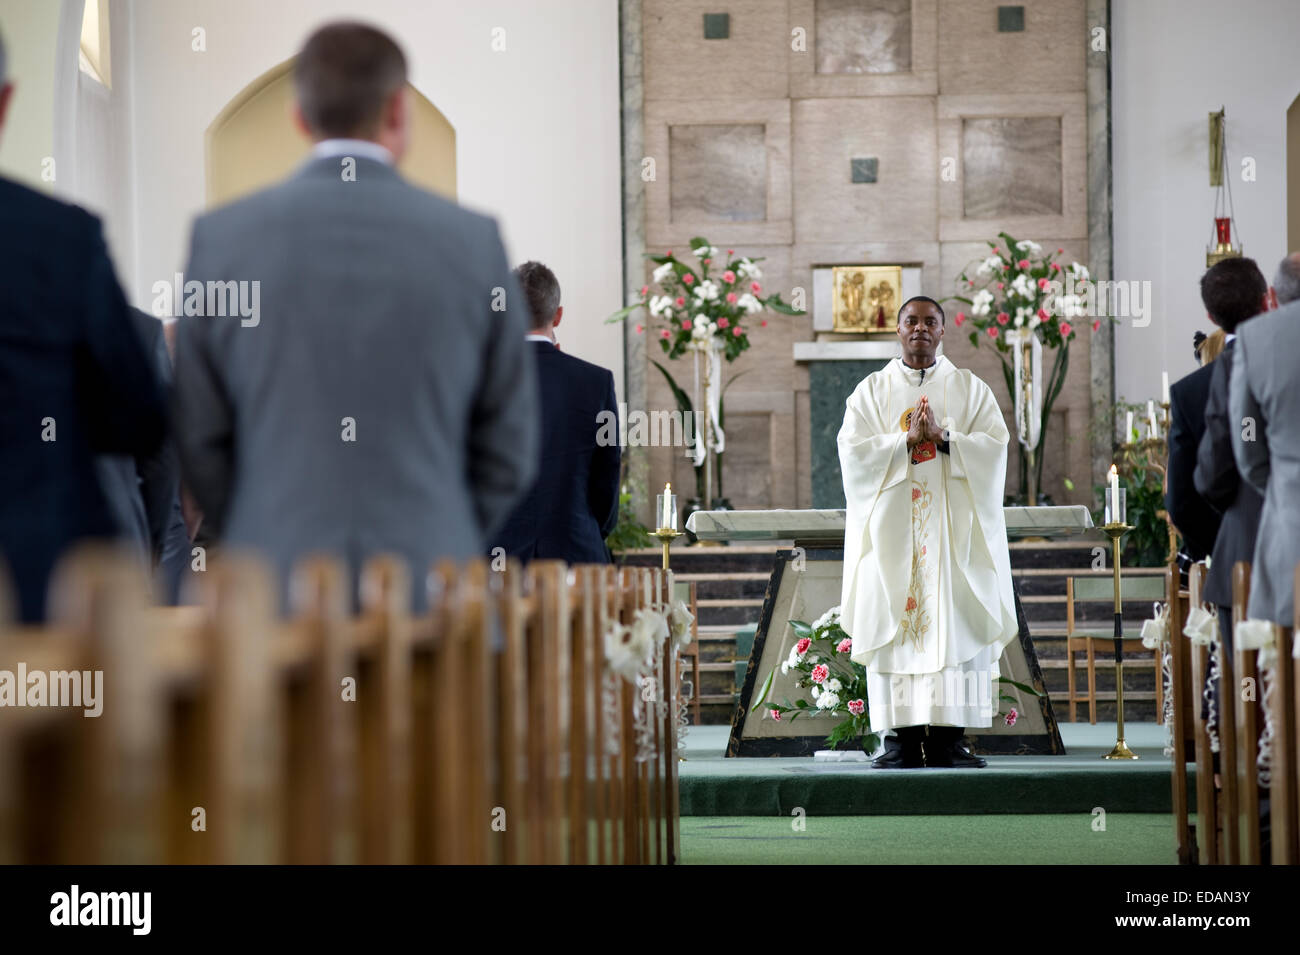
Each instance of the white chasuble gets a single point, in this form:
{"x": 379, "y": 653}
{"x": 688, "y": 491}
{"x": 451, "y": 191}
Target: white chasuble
{"x": 927, "y": 592}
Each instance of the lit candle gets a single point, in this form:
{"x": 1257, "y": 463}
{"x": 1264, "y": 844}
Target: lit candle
{"x": 1164, "y": 387}
{"x": 1113, "y": 513}
{"x": 1151, "y": 414}
{"x": 667, "y": 519}
{"x": 1128, "y": 431}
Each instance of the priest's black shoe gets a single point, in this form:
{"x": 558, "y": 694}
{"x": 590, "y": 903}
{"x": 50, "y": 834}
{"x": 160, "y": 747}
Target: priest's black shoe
{"x": 902, "y": 750}
{"x": 944, "y": 749}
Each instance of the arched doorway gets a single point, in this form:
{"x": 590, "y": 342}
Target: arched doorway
{"x": 253, "y": 143}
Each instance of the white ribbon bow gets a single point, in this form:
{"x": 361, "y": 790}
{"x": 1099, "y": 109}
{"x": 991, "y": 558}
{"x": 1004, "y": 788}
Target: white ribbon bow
{"x": 1202, "y": 627}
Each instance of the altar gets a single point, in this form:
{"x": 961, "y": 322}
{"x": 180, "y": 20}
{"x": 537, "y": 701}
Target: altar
{"x": 805, "y": 583}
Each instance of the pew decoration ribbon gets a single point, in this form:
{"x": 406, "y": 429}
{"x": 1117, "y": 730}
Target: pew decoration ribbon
{"x": 1155, "y": 637}
{"x": 1202, "y": 628}
{"x": 1259, "y": 635}
{"x": 680, "y": 619}
{"x": 628, "y": 648}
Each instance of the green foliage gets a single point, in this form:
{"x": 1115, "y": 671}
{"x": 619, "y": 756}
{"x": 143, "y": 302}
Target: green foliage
{"x": 628, "y": 533}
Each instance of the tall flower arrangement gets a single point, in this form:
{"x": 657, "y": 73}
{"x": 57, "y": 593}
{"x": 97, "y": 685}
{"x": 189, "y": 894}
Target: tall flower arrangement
{"x": 1018, "y": 286}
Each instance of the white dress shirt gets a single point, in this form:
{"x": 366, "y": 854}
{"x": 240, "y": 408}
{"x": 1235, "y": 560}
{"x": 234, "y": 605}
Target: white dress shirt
{"x": 361, "y": 148}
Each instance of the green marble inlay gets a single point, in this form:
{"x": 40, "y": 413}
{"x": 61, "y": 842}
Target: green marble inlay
{"x": 717, "y": 26}
{"x": 1011, "y": 19}
{"x": 864, "y": 170}
{"x": 830, "y": 383}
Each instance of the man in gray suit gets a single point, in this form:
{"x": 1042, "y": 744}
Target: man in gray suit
{"x": 366, "y": 387}
{"x": 1264, "y": 409}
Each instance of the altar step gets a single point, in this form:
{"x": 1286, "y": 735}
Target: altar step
{"x": 731, "y": 582}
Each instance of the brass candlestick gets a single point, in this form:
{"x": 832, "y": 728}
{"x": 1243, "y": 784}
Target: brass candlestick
{"x": 667, "y": 535}
{"x": 1115, "y": 531}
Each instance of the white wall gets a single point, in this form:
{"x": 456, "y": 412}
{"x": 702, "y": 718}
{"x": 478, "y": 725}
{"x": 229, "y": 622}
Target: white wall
{"x": 537, "y": 126}
{"x": 30, "y": 29}
{"x": 1174, "y": 62}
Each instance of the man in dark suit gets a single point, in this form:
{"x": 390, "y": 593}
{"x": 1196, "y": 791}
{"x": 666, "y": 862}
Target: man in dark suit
{"x": 1196, "y": 520}
{"x": 1233, "y": 291}
{"x": 373, "y": 393}
{"x": 573, "y": 505}
{"x": 74, "y": 381}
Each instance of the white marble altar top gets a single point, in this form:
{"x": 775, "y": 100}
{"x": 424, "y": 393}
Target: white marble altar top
{"x": 828, "y": 525}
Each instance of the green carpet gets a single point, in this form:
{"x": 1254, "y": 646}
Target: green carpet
{"x": 1129, "y": 839}
{"x": 713, "y": 785}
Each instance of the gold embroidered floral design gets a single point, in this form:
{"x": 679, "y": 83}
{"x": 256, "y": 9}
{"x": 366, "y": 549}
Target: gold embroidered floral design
{"x": 920, "y": 591}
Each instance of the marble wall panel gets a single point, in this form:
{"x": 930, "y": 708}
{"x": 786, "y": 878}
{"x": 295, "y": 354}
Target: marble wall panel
{"x": 902, "y": 205}
{"x": 1011, "y": 166}
{"x": 719, "y": 173}
{"x": 954, "y": 113}
{"x": 829, "y": 41}
{"x": 1046, "y": 57}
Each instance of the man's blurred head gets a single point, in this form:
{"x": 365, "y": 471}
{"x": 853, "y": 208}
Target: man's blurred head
{"x": 1234, "y": 290}
{"x": 542, "y": 290}
{"x": 6, "y": 88}
{"x": 350, "y": 81}
{"x": 1286, "y": 284}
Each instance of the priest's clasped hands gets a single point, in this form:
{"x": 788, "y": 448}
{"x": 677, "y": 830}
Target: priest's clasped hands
{"x": 923, "y": 426}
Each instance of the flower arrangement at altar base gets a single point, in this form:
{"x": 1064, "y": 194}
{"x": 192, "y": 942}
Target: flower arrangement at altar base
{"x": 1017, "y": 286}
{"x": 712, "y": 304}
{"x": 838, "y": 687}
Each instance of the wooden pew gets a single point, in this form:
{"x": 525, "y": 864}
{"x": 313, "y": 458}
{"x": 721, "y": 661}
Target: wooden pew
{"x": 1181, "y": 731}
{"x": 474, "y": 733}
{"x": 1249, "y": 723}
{"x": 1284, "y": 800}
{"x": 1207, "y": 817}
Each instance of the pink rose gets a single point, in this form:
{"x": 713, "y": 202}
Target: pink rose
{"x": 857, "y": 707}
{"x": 640, "y": 329}
{"x": 1060, "y": 251}
{"x": 776, "y": 715}
{"x": 680, "y": 301}
{"x": 844, "y": 646}
{"x": 961, "y": 317}
{"x": 1043, "y": 283}
{"x": 1042, "y": 314}
{"x": 1012, "y": 717}
{"x": 1022, "y": 264}
{"x": 731, "y": 252}
{"x": 820, "y": 673}
{"x": 644, "y": 290}
{"x": 665, "y": 334}
{"x": 1065, "y": 329}
{"x": 995, "y": 251}
{"x": 802, "y": 646}
{"x": 1096, "y": 324}
{"x": 993, "y": 332}
{"x": 731, "y": 298}
{"x": 706, "y": 261}
{"x": 1001, "y": 286}
{"x": 1003, "y": 318}
{"x": 729, "y": 277}
{"x": 737, "y": 331}
{"x": 763, "y": 323}
{"x": 686, "y": 324}
{"x": 723, "y": 322}
{"x": 688, "y": 278}
{"x": 1056, "y": 266}
{"x": 970, "y": 282}
{"x": 755, "y": 287}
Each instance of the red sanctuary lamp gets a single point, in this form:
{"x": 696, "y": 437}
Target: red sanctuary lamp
{"x": 1223, "y": 247}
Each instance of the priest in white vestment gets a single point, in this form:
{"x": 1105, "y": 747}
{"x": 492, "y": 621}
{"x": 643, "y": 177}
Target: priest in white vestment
{"x": 927, "y": 594}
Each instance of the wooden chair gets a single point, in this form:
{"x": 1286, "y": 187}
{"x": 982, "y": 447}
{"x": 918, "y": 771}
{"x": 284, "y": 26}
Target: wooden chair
{"x": 1099, "y": 589}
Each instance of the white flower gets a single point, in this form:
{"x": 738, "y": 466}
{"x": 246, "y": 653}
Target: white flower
{"x": 1023, "y": 286}
{"x": 1023, "y": 315}
{"x": 1027, "y": 246}
{"x": 629, "y": 648}
{"x": 1078, "y": 272}
{"x": 816, "y": 691}
{"x": 814, "y": 658}
{"x": 749, "y": 303}
{"x": 662, "y": 272}
{"x": 707, "y": 290}
{"x": 834, "y": 684}
{"x": 989, "y": 264}
{"x": 661, "y": 305}
{"x": 699, "y": 328}
{"x": 828, "y": 701}
{"x": 793, "y": 659}
{"x": 829, "y": 617}
{"x": 748, "y": 269}
{"x": 982, "y": 302}
{"x": 1071, "y": 306}
{"x": 705, "y": 251}
{"x": 680, "y": 619}
{"x": 785, "y": 667}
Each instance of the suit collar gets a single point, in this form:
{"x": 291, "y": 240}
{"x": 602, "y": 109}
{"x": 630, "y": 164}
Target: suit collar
{"x": 330, "y": 167}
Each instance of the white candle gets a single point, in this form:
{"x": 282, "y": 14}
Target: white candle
{"x": 666, "y": 520}
{"x": 1128, "y": 431}
{"x": 1114, "y": 495}
{"x": 1164, "y": 387}
{"x": 1151, "y": 414}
